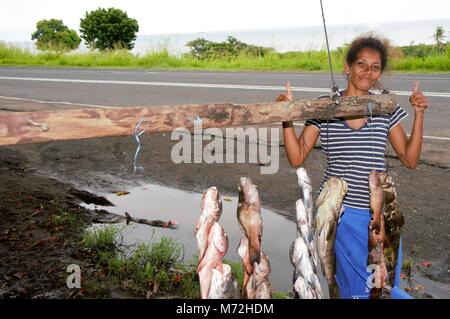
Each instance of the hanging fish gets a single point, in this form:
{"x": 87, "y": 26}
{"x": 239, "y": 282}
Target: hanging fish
{"x": 255, "y": 263}
{"x": 376, "y": 236}
{"x": 223, "y": 284}
{"x": 306, "y": 282}
{"x": 261, "y": 275}
{"x": 217, "y": 246}
{"x": 247, "y": 265}
{"x": 304, "y": 182}
{"x": 305, "y": 215}
{"x": 256, "y": 284}
{"x": 329, "y": 206}
{"x": 216, "y": 279}
{"x": 394, "y": 221}
{"x": 211, "y": 206}
{"x": 376, "y": 200}
{"x": 249, "y": 217}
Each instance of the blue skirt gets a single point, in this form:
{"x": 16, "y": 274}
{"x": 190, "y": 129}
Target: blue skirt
{"x": 351, "y": 249}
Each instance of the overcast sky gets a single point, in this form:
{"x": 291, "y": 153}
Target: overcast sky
{"x": 18, "y": 17}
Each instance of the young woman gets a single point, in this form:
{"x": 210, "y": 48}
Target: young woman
{"x": 355, "y": 146}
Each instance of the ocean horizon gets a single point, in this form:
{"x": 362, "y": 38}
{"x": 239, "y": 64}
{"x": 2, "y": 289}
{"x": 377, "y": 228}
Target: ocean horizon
{"x": 291, "y": 39}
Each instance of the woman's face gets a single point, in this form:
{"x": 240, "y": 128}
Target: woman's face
{"x": 366, "y": 70}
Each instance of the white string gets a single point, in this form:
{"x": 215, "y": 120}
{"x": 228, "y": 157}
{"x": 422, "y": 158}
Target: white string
{"x": 370, "y": 108}
{"x": 136, "y": 166}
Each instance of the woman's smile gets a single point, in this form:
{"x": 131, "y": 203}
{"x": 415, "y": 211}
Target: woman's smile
{"x": 365, "y": 72}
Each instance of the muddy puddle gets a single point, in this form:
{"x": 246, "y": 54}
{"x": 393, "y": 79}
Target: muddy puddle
{"x": 158, "y": 202}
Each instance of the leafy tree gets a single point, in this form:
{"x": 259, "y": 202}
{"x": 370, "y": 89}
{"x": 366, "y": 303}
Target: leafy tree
{"x": 54, "y": 35}
{"x": 111, "y": 28}
{"x": 439, "y": 36}
{"x": 199, "y": 47}
{"x": 232, "y": 47}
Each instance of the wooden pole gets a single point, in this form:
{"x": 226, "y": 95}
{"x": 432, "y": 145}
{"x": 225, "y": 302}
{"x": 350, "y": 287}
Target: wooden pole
{"x": 32, "y": 127}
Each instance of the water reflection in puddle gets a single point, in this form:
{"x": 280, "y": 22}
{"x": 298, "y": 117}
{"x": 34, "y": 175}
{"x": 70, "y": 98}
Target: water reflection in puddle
{"x": 163, "y": 203}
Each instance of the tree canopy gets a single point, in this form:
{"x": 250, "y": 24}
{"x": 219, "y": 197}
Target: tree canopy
{"x": 439, "y": 36}
{"x": 106, "y": 29}
{"x": 232, "y": 47}
{"x": 54, "y": 35}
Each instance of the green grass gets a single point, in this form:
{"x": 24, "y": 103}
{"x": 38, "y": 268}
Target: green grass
{"x": 281, "y": 295}
{"x": 64, "y": 218}
{"x": 158, "y": 264}
{"x": 430, "y": 63}
{"x": 72, "y": 220}
{"x": 97, "y": 288}
{"x": 100, "y": 239}
{"x": 273, "y": 61}
{"x": 189, "y": 284}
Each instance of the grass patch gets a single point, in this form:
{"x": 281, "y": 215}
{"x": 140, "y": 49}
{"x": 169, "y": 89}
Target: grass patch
{"x": 403, "y": 60}
{"x": 71, "y": 220}
{"x": 189, "y": 284}
{"x": 65, "y": 219}
{"x": 157, "y": 267}
{"x": 100, "y": 239}
{"x": 96, "y": 288}
{"x": 281, "y": 295}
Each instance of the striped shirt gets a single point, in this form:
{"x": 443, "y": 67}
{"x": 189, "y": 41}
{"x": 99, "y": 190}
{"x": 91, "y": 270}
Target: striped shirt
{"x": 353, "y": 153}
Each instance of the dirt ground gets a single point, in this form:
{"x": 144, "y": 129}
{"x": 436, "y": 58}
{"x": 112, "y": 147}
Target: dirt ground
{"x": 39, "y": 181}
{"x": 40, "y": 233}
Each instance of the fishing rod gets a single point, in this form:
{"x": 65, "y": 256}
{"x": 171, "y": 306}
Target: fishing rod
{"x": 335, "y": 89}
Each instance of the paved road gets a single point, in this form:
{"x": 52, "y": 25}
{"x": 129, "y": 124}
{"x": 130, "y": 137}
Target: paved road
{"x": 142, "y": 87}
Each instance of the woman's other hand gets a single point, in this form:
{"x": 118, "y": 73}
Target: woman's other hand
{"x": 418, "y": 100}
{"x": 286, "y": 97}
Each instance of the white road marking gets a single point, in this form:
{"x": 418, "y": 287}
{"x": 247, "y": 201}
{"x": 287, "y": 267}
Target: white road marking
{"x": 265, "y": 74}
{"x": 436, "y": 138}
{"x": 51, "y": 102}
{"x": 204, "y": 85}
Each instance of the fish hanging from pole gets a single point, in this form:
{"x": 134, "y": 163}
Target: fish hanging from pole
{"x": 304, "y": 182}
{"x": 211, "y": 206}
{"x": 328, "y": 210}
{"x": 216, "y": 279}
{"x": 393, "y": 222}
{"x": 256, "y": 265}
{"x": 303, "y": 252}
{"x": 376, "y": 259}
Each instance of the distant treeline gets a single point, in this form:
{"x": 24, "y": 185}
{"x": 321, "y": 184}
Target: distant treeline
{"x": 204, "y": 49}
{"x": 423, "y": 50}
{"x": 231, "y": 54}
